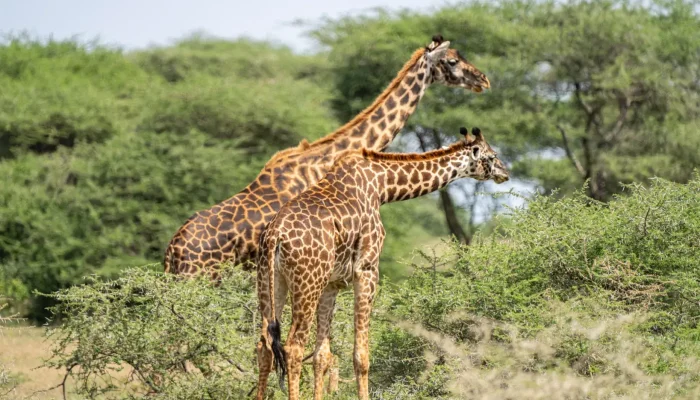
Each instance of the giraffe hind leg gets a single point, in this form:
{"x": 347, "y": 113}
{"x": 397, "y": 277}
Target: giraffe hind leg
{"x": 323, "y": 358}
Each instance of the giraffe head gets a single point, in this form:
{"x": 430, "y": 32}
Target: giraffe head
{"x": 452, "y": 69}
{"x": 480, "y": 161}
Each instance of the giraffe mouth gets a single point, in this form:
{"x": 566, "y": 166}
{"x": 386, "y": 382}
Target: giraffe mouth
{"x": 482, "y": 84}
{"x": 500, "y": 178}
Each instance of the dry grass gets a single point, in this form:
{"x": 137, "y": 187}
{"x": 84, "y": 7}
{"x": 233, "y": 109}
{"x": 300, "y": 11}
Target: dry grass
{"x": 22, "y": 351}
{"x": 513, "y": 368}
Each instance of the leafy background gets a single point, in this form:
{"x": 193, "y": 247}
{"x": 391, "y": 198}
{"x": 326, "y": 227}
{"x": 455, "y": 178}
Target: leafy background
{"x": 105, "y": 153}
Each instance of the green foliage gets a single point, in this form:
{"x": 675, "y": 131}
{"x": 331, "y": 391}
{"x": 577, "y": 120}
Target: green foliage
{"x": 153, "y": 325}
{"x": 569, "y": 298}
{"x": 557, "y": 270}
{"x": 243, "y": 59}
{"x": 257, "y": 94}
{"x": 59, "y": 94}
{"x": 104, "y": 155}
{"x": 100, "y": 208}
{"x": 614, "y": 82}
{"x": 285, "y": 111}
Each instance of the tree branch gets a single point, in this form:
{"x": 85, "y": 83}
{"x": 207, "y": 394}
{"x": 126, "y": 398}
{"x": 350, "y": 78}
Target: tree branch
{"x": 577, "y": 93}
{"x": 623, "y": 105}
{"x": 569, "y": 153}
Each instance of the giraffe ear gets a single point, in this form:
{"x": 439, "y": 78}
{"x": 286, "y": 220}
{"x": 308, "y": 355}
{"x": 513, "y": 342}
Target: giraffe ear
{"x": 477, "y": 134}
{"x": 437, "y": 40}
{"x": 438, "y": 51}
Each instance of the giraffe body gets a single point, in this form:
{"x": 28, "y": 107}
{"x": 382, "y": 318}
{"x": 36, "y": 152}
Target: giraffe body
{"x": 230, "y": 230}
{"x": 330, "y": 237}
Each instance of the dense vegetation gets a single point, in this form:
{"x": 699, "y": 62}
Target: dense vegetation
{"x": 585, "y": 299}
{"x": 104, "y": 154}
{"x": 590, "y": 292}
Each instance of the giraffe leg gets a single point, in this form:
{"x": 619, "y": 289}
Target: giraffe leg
{"x": 365, "y": 285}
{"x": 323, "y": 358}
{"x": 303, "y": 306}
{"x": 264, "y": 363}
{"x": 333, "y": 375}
{"x": 265, "y": 356}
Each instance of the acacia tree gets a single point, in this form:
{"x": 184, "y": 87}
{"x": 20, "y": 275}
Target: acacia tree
{"x": 619, "y": 83}
{"x": 605, "y": 91}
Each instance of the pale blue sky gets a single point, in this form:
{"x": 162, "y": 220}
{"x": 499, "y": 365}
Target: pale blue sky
{"x": 139, "y": 23}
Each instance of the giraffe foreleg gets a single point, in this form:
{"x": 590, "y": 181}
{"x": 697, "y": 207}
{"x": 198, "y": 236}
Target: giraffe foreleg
{"x": 365, "y": 288}
{"x": 366, "y": 279}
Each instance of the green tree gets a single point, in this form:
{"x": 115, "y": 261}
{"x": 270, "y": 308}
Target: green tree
{"x": 600, "y": 90}
{"x": 132, "y": 154}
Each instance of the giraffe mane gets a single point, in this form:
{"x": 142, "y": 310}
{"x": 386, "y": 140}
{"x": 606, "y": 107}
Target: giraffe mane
{"x": 430, "y": 155}
{"x": 363, "y": 115}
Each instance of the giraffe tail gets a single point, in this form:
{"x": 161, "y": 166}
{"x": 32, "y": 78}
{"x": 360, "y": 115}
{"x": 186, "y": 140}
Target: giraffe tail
{"x": 274, "y": 328}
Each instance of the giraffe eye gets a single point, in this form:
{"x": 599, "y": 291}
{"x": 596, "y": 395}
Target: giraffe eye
{"x": 452, "y": 62}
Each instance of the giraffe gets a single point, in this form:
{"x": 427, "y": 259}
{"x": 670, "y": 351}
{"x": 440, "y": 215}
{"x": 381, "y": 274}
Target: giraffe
{"x": 229, "y": 231}
{"x": 330, "y": 237}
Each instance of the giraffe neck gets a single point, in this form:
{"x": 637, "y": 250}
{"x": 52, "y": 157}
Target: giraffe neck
{"x": 402, "y": 177}
{"x": 376, "y": 126}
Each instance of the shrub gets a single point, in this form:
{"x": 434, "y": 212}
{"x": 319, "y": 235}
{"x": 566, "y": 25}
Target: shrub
{"x": 568, "y": 299}
{"x": 61, "y": 93}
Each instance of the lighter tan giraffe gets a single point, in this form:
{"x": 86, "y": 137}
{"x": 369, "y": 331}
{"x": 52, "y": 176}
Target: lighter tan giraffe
{"x": 229, "y": 231}
{"x": 330, "y": 237}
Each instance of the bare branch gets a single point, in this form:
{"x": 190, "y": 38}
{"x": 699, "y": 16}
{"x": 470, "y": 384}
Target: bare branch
{"x": 61, "y": 385}
{"x": 569, "y": 153}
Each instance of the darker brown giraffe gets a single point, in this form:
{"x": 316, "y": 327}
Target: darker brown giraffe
{"x": 330, "y": 237}
{"x": 229, "y": 231}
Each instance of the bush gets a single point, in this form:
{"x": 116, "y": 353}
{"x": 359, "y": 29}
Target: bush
{"x": 281, "y": 113}
{"x": 61, "y": 93}
{"x": 98, "y": 208}
{"x": 157, "y": 328}
{"x": 567, "y": 299}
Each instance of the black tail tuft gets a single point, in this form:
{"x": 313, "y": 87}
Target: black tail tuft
{"x": 275, "y": 332}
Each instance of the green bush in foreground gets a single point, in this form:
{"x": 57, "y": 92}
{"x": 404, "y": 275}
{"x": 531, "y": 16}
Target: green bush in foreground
{"x": 568, "y": 299}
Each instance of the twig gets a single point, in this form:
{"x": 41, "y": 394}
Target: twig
{"x": 569, "y": 153}
{"x": 61, "y": 385}
{"x": 644, "y": 233}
